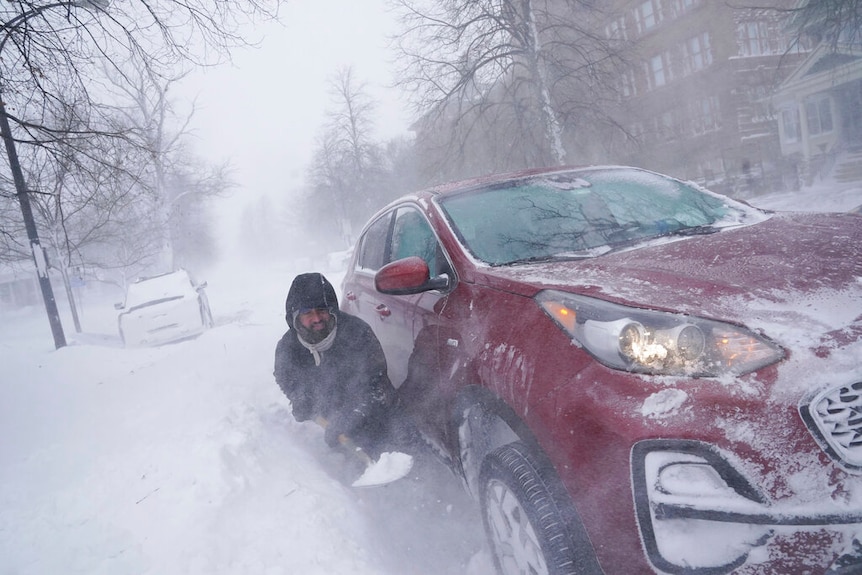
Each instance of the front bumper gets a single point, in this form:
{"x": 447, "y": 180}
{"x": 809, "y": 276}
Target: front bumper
{"x": 699, "y": 515}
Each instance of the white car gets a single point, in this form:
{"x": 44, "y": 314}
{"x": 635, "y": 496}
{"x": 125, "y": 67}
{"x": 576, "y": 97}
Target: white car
{"x": 163, "y": 309}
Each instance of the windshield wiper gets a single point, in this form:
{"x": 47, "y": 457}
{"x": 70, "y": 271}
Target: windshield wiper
{"x": 561, "y": 256}
{"x": 694, "y": 231}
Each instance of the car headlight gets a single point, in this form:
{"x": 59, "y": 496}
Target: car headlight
{"x": 646, "y": 341}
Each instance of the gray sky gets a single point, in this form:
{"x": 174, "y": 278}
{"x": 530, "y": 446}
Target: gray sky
{"x": 264, "y": 111}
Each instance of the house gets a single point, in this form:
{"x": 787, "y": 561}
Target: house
{"x": 19, "y": 286}
{"x": 694, "y": 100}
{"x": 819, "y": 108}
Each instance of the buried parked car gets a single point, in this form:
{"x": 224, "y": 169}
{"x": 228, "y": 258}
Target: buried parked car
{"x": 163, "y": 309}
{"x": 631, "y": 374}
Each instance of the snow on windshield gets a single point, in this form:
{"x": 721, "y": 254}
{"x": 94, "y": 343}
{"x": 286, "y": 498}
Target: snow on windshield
{"x": 160, "y": 287}
{"x": 583, "y": 214}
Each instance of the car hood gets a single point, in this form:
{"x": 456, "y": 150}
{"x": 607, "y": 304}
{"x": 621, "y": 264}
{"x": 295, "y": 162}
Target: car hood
{"x": 792, "y": 269}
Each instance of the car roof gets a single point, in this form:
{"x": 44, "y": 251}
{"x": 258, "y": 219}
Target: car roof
{"x": 180, "y": 273}
{"x": 158, "y": 287}
{"x": 478, "y": 182}
{"x": 482, "y": 181}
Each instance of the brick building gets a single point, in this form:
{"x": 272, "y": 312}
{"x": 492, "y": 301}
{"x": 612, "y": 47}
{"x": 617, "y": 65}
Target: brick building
{"x": 695, "y": 96}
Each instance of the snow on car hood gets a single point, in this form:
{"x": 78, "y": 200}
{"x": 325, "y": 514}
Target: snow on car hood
{"x": 794, "y": 276}
{"x": 797, "y": 278}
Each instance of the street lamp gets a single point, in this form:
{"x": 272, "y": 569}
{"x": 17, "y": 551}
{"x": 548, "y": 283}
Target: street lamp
{"x": 18, "y": 176}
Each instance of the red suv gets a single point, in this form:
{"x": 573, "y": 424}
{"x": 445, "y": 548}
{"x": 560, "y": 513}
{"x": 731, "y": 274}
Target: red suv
{"x": 632, "y": 374}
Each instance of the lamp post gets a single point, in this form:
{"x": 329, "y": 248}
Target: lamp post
{"x": 21, "y": 191}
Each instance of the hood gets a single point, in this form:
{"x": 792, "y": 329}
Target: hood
{"x": 309, "y": 291}
{"x": 790, "y": 264}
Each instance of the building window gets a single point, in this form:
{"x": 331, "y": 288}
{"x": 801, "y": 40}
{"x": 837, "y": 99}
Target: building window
{"x": 752, "y": 37}
{"x": 790, "y": 125}
{"x": 616, "y": 30}
{"x": 667, "y": 126}
{"x": 628, "y": 86}
{"x": 678, "y": 7}
{"x": 760, "y": 38}
{"x": 706, "y": 115}
{"x": 658, "y": 70}
{"x": 697, "y": 53}
{"x": 648, "y": 15}
{"x": 711, "y": 169}
{"x": 818, "y": 115}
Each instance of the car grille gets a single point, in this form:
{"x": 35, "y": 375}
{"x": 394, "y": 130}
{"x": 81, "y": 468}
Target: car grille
{"x": 834, "y": 417}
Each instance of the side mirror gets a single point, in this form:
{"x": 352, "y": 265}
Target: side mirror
{"x": 408, "y": 276}
{"x": 119, "y": 306}
{"x": 201, "y": 286}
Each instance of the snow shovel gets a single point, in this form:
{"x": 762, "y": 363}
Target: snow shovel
{"x": 390, "y": 466}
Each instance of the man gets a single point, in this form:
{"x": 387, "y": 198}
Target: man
{"x": 331, "y": 367}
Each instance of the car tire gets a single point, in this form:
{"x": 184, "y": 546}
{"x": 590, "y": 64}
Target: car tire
{"x": 525, "y": 522}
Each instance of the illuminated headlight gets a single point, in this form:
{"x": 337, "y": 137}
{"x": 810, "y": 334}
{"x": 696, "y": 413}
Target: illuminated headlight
{"x": 659, "y": 343}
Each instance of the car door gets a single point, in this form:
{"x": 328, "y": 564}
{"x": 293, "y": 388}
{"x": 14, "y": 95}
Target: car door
{"x": 428, "y": 390}
{"x": 390, "y": 317}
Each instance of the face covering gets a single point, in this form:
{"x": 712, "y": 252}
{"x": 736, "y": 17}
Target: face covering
{"x": 317, "y": 341}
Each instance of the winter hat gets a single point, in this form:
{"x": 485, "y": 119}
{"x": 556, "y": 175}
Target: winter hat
{"x": 309, "y": 291}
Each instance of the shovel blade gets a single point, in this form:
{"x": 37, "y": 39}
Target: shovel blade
{"x": 391, "y": 466}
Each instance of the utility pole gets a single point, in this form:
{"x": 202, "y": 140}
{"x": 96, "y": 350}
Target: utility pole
{"x": 21, "y": 191}
{"x": 32, "y": 234}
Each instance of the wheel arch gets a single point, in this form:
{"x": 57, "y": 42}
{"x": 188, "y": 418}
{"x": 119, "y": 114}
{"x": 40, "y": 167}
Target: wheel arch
{"x": 484, "y": 419}
{"x": 478, "y": 411}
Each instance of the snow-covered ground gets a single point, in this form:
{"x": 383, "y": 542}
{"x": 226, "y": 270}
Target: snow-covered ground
{"x": 184, "y": 459}
{"x": 827, "y": 196}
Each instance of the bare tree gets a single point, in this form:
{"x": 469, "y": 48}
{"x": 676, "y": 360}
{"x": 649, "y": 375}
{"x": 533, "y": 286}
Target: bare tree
{"x": 82, "y": 206}
{"x": 348, "y": 163}
{"x": 147, "y": 113}
{"x": 85, "y": 197}
{"x": 177, "y": 184}
{"x": 512, "y": 77}
{"x": 51, "y": 56}
{"x": 834, "y": 22}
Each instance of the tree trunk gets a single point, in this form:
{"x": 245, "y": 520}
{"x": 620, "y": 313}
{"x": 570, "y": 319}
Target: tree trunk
{"x": 553, "y": 132}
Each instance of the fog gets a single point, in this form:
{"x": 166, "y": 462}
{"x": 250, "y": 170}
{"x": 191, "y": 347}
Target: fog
{"x": 184, "y": 458}
{"x": 264, "y": 111}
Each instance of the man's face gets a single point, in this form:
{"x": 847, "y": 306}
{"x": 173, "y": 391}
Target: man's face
{"x": 315, "y": 320}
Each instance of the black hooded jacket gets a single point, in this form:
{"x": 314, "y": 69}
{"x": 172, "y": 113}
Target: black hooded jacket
{"x": 350, "y": 388}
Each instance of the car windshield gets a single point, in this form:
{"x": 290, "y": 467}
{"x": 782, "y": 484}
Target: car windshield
{"x": 175, "y": 284}
{"x": 583, "y": 213}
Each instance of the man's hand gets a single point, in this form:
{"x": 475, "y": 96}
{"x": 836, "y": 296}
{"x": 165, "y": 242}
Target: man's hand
{"x": 331, "y": 434}
{"x": 343, "y": 426}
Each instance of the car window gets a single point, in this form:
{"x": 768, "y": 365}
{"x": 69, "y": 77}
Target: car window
{"x": 414, "y": 236}
{"x": 372, "y": 249}
{"x": 401, "y": 233}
